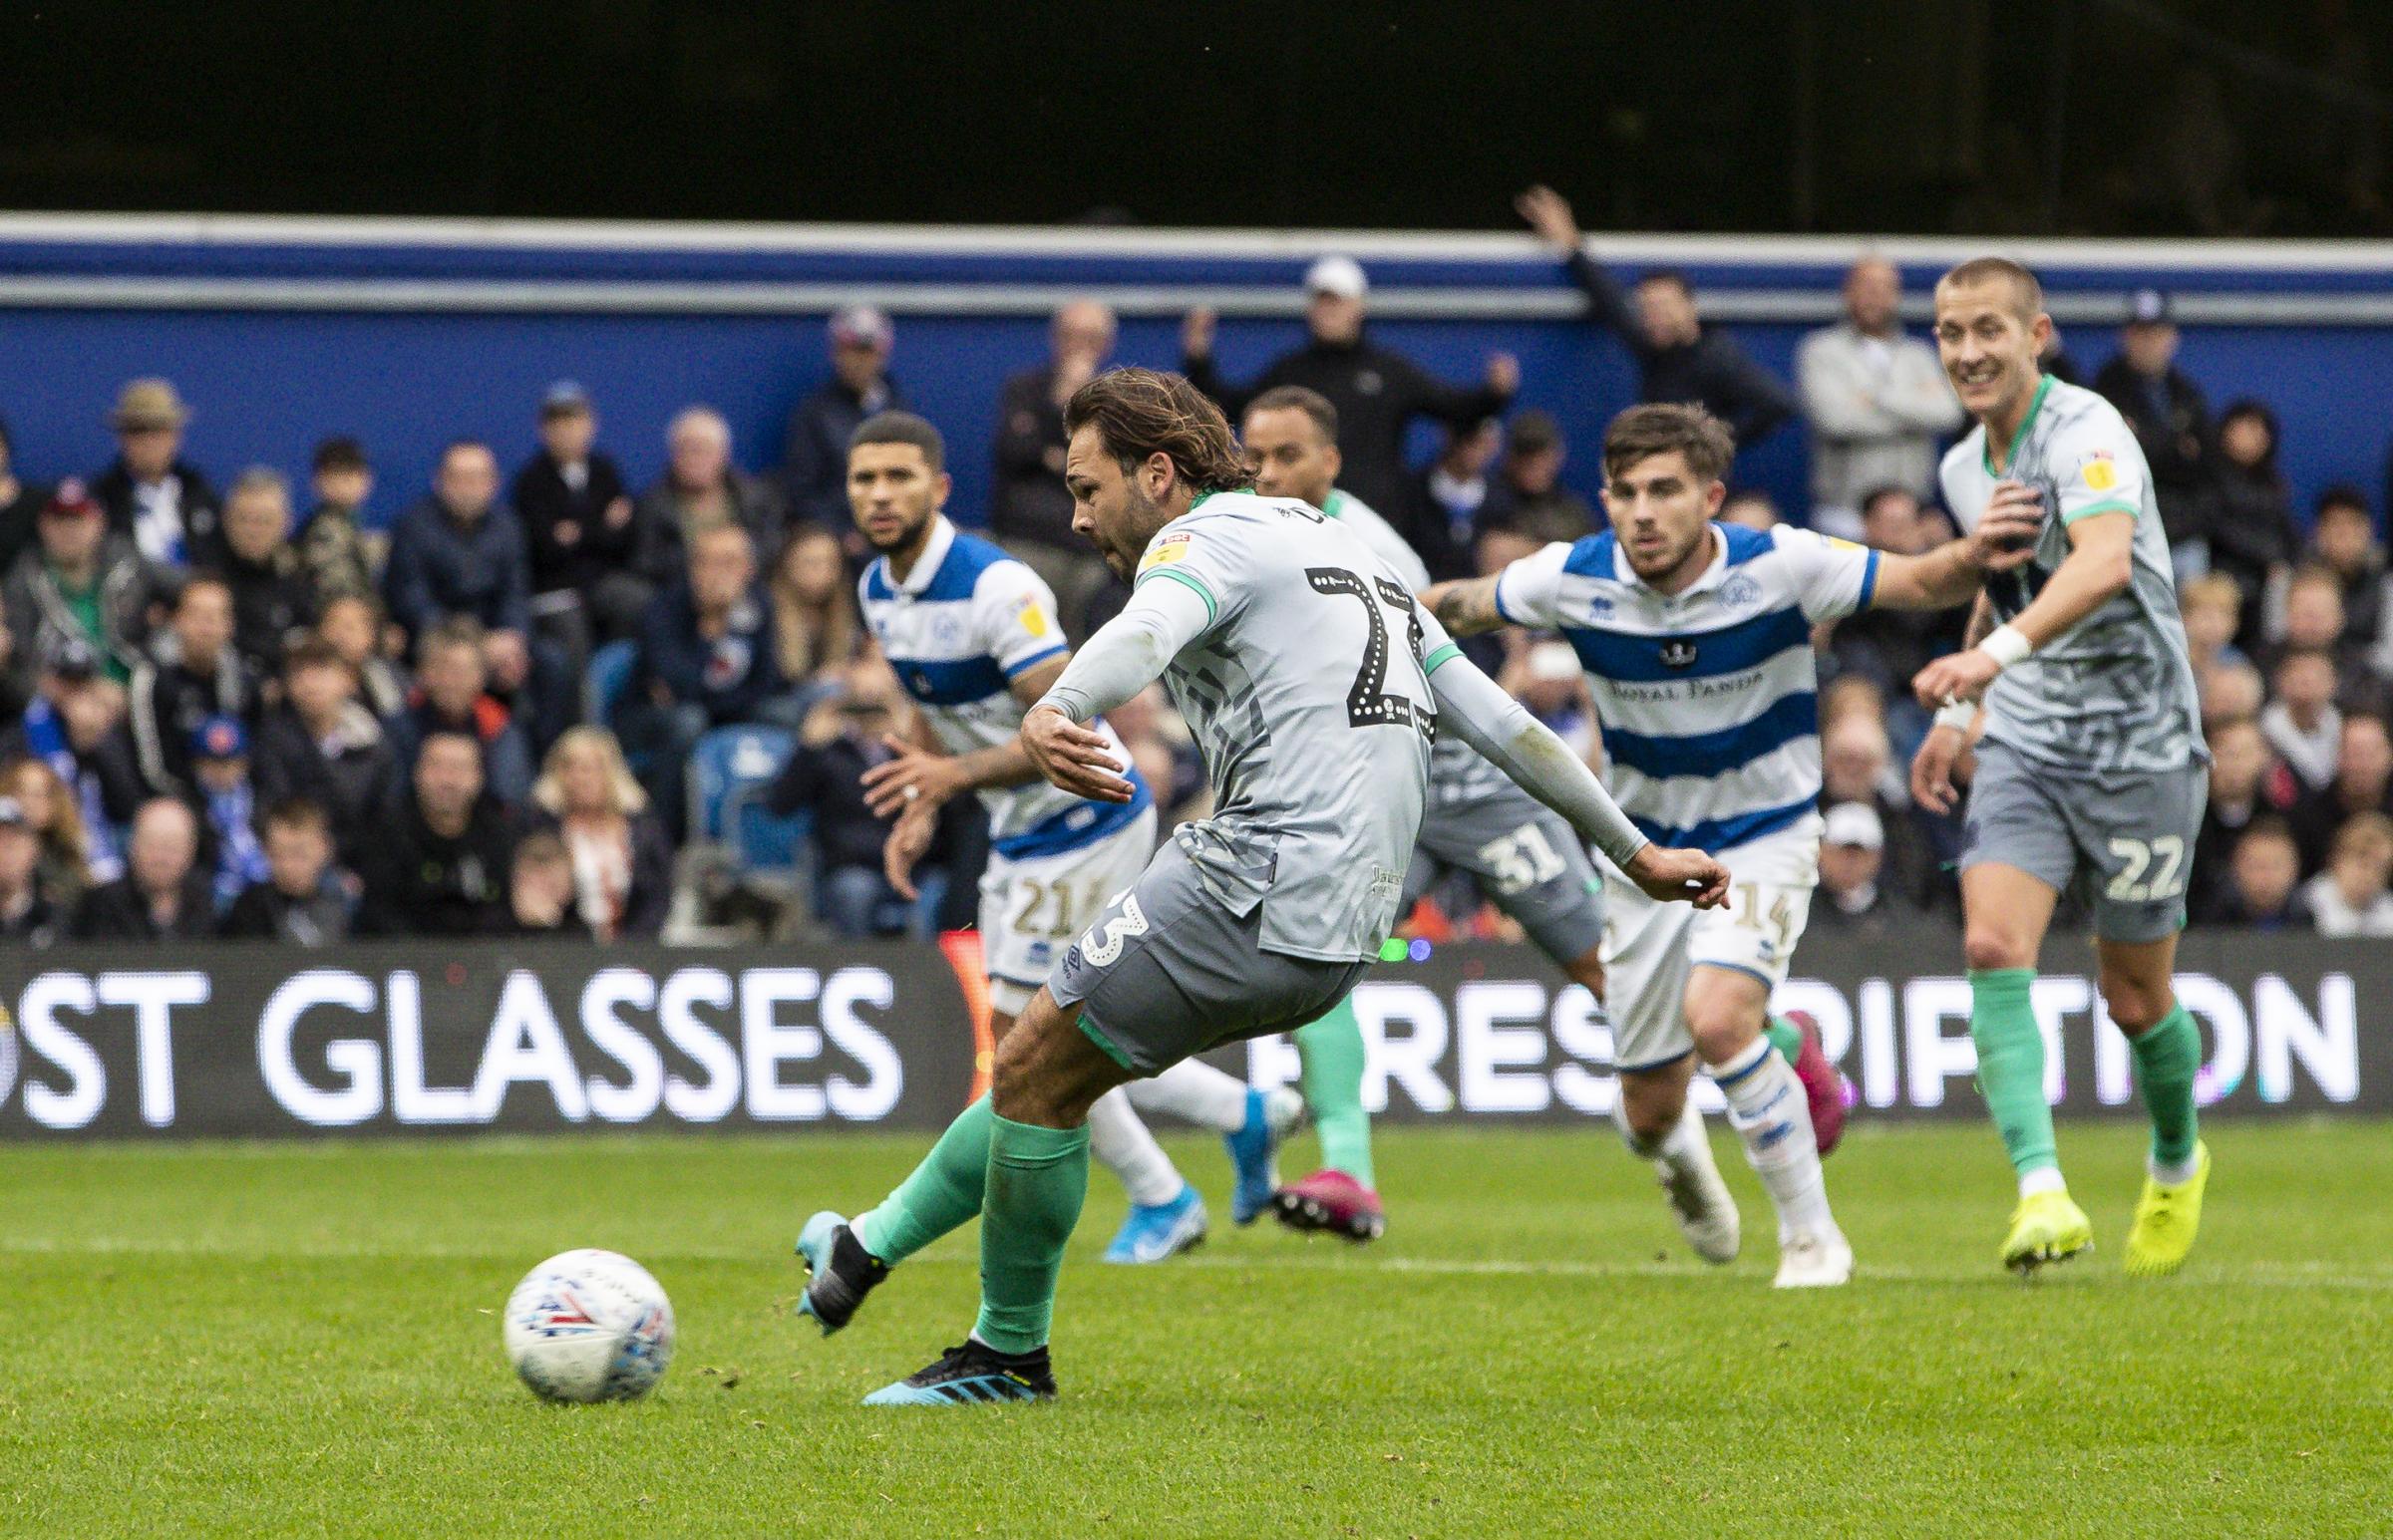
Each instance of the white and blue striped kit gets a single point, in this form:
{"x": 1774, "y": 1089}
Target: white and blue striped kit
{"x": 966, "y": 620}
{"x": 1709, "y": 697}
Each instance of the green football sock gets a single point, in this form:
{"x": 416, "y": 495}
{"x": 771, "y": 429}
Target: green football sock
{"x": 1784, "y": 1035}
{"x": 2167, "y": 1060}
{"x": 1038, "y": 1179}
{"x": 942, "y": 1195}
{"x": 1331, "y": 1051}
{"x": 2010, "y": 1065}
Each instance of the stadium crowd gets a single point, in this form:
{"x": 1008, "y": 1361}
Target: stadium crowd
{"x": 268, "y": 713}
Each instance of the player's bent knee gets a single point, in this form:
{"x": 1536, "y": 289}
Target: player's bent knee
{"x": 2136, "y": 1003}
{"x": 1989, "y": 947}
{"x": 1047, "y": 1072}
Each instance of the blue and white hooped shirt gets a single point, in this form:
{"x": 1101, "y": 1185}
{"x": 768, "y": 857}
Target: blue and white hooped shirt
{"x": 1709, "y": 697}
{"x": 966, "y": 621}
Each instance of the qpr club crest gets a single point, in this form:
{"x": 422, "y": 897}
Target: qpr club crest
{"x": 1678, "y": 653}
{"x": 1739, "y": 592}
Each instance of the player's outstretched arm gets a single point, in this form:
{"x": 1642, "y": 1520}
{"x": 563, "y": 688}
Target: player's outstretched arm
{"x": 1127, "y": 654}
{"x": 1465, "y": 606}
{"x": 2098, "y": 569}
{"x": 1515, "y": 742}
{"x": 2005, "y": 537}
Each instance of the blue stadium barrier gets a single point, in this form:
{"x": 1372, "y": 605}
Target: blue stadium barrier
{"x": 605, "y": 680}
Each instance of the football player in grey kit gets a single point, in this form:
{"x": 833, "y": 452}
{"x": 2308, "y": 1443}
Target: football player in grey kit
{"x": 1315, "y": 686}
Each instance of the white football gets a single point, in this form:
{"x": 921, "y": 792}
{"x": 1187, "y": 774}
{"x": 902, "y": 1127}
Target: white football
{"x": 589, "y": 1326}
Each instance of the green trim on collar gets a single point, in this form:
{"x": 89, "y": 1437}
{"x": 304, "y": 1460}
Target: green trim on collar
{"x": 2010, "y": 455}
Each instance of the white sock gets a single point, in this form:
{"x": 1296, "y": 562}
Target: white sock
{"x": 1767, "y": 1108}
{"x": 2044, "y": 1178}
{"x": 1196, "y": 1092}
{"x": 2176, "y": 1175}
{"x": 1122, "y": 1142}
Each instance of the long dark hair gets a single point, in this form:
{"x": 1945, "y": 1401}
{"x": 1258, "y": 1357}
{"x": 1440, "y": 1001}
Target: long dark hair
{"x": 1144, "y": 412}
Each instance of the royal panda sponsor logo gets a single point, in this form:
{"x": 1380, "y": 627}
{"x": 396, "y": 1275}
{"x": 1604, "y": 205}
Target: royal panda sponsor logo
{"x": 1678, "y": 653}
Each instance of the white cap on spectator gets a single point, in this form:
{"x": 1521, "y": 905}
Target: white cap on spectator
{"x": 1552, "y": 662}
{"x": 1855, "y": 824}
{"x": 1339, "y": 275}
{"x": 862, "y": 326}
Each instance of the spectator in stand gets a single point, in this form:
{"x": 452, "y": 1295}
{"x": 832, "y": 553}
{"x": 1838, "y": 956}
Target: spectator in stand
{"x": 452, "y": 694}
{"x": 2171, "y": 423}
{"x": 540, "y": 893}
{"x": 273, "y": 599}
{"x": 2344, "y": 547}
{"x": 815, "y": 626}
{"x": 1876, "y": 400}
{"x": 2262, "y": 887}
{"x": 2253, "y": 538}
{"x": 1441, "y": 508}
{"x": 461, "y": 554}
{"x": 1856, "y": 756}
{"x": 2302, "y": 723}
{"x": 701, "y": 489}
{"x": 1377, "y": 392}
{"x": 621, "y": 864}
{"x": 76, "y": 726}
{"x": 2362, "y": 782}
{"x": 1889, "y": 647}
{"x": 815, "y": 453}
{"x": 440, "y": 866}
{"x": 16, "y": 672}
{"x": 2349, "y": 897}
{"x": 1679, "y": 358}
{"x": 20, "y": 505}
{"x": 1752, "y": 508}
{"x": 196, "y": 675}
{"x": 840, "y": 739}
{"x": 163, "y": 894}
{"x": 352, "y": 627}
{"x": 302, "y": 900}
{"x": 63, "y": 866}
{"x": 227, "y": 807}
{"x": 1530, "y": 501}
{"x": 78, "y": 580}
{"x": 321, "y": 745}
{"x": 2246, "y": 783}
{"x": 707, "y": 660}
{"x": 1853, "y": 900}
{"x": 2230, "y": 690}
{"x": 2310, "y": 615}
{"x": 336, "y": 552}
{"x": 578, "y": 524}
{"x": 1550, "y": 683}
{"x": 152, "y": 496}
{"x": 28, "y": 915}
{"x": 1032, "y": 513}
{"x": 2212, "y": 607}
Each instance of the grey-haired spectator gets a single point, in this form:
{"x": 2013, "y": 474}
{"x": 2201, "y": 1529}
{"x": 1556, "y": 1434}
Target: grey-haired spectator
{"x": 2253, "y": 538}
{"x": 1376, "y": 390}
{"x": 163, "y": 894}
{"x": 78, "y": 580}
{"x": 227, "y": 804}
{"x": 2361, "y": 782}
{"x": 1031, "y": 511}
{"x": 440, "y": 866}
{"x": 577, "y": 518}
{"x": 2172, "y": 422}
{"x": 814, "y": 466}
{"x": 19, "y": 502}
{"x": 2301, "y": 720}
{"x": 340, "y": 555}
{"x": 2349, "y": 897}
{"x": 28, "y": 916}
{"x": 702, "y": 489}
{"x": 1528, "y": 500}
{"x": 152, "y": 496}
{"x": 353, "y": 627}
{"x": 196, "y": 674}
{"x": 320, "y": 744}
{"x": 452, "y": 694}
{"x": 1679, "y": 358}
{"x": 302, "y": 901}
{"x": 274, "y": 598}
{"x": 1877, "y": 401}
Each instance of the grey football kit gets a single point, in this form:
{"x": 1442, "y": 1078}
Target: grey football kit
{"x": 2091, "y": 770}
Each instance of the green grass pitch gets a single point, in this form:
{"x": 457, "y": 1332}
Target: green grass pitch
{"x": 265, "y": 1340}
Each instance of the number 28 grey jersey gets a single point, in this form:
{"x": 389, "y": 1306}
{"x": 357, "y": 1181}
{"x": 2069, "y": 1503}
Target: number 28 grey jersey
{"x": 2115, "y": 693}
{"x": 1310, "y": 702}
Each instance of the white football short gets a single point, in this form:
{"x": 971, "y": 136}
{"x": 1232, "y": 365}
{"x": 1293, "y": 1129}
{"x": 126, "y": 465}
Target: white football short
{"x": 1032, "y": 908}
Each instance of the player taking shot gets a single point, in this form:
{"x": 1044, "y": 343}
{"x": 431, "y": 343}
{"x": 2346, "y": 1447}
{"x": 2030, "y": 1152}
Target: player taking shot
{"x": 2090, "y": 764}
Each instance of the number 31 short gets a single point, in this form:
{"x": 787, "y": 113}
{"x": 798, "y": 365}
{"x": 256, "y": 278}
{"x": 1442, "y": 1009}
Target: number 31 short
{"x": 2120, "y": 842}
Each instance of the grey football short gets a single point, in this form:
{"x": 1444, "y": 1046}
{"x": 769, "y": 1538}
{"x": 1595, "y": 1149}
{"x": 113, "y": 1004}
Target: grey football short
{"x": 1524, "y": 858}
{"x": 2120, "y": 842}
{"x": 1167, "y": 971}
